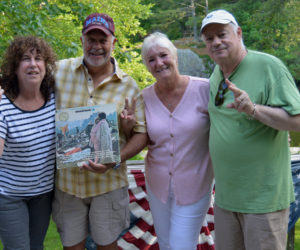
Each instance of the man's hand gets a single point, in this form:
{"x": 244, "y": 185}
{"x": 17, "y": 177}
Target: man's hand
{"x": 275, "y": 117}
{"x": 97, "y": 167}
{"x": 242, "y": 101}
{"x": 128, "y": 119}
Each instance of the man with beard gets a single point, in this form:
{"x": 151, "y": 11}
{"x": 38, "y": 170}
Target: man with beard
{"x": 253, "y": 103}
{"x": 95, "y": 195}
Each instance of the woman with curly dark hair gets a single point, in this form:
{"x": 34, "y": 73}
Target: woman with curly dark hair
{"x": 27, "y": 142}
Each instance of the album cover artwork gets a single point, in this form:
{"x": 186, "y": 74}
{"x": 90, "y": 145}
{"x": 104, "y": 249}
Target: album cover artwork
{"x": 87, "y": 133}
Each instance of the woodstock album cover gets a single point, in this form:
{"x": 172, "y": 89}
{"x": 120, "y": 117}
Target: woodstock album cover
{"x": 87, "y": 133}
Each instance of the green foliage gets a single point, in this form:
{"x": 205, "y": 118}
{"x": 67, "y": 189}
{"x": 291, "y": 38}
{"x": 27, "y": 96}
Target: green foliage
{"x": 272, "y": 26}
{"x": 140, "y": 156}
{"x": 41, "y": 19}
{"x": 173, "y": 17}
{"x": 295, "y": 139}
{"x": 60, "y": 23}
{"x": 297, "y": 235}
{"x": 280, "y": 33}
{"x": 132, "y": 65}
{"x": 137, "y": 158}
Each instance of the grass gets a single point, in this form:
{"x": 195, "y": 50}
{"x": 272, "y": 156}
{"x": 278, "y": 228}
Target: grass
{"x": 297, "y": 235}
{"x": 52, "y": 241}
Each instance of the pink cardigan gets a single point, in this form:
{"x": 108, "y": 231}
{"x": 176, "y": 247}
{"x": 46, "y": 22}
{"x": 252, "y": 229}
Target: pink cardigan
{"x": 180, "y": 150}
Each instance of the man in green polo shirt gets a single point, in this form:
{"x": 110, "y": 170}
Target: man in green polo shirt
{"x": 253, "y": 104}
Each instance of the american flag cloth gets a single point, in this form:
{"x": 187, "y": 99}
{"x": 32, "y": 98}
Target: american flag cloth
{"x": 141, "y": 234}
{"x": 295, "y": 206}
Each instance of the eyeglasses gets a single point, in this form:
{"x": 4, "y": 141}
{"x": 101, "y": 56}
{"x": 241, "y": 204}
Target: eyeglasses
{"x": 223, "y": 88}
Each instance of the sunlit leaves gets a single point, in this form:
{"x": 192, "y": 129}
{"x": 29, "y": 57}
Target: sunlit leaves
{"x": 60, "y": 23}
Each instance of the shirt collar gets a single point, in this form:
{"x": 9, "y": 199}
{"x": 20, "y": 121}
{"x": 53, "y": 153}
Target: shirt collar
{"x": 118, "y": 73}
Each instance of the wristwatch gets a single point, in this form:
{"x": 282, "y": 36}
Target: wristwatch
{"x": 115, "y": 167}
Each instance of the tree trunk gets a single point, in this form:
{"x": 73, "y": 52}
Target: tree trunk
{"x": 206, "y": 7}
{"x": 194, "y": 20}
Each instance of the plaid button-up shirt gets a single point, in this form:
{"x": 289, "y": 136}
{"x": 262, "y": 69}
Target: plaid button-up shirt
{"x": 75, "y": 88}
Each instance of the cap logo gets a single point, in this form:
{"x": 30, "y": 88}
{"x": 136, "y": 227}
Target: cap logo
{"x": 97, "y": 20}
{"x": 209, "y": 16}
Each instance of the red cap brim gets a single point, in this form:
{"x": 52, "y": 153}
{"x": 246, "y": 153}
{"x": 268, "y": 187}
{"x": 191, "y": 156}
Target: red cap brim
{"x": 97, "y": 27}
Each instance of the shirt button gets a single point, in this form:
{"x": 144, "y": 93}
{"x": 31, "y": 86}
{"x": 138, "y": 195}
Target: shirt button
{"x": 172, "y": 154}
{"x": 171, "y": 115}
{"x": 171, "y": 135}
{"x": 170, "y": 173}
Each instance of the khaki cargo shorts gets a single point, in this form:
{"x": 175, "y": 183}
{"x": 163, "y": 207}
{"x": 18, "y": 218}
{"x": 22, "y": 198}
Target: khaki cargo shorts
{"x": 105, "y": 216}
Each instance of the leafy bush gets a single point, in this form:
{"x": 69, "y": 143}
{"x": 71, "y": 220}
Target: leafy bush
{"x": 295, "y": 139}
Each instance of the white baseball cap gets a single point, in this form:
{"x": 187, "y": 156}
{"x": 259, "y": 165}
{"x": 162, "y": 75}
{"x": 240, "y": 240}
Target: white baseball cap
{"x": 218, "y": 16}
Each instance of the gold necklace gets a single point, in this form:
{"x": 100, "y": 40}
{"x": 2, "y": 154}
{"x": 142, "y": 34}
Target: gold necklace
{"x": 164, "y": 99}
{"x": 177, "y": 97}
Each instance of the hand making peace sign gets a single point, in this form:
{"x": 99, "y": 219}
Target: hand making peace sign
{"x": 242, "y": 101}
{"x": 128, "y": 119}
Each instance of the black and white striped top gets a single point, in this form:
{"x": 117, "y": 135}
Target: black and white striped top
{"x": 28, "y": 160}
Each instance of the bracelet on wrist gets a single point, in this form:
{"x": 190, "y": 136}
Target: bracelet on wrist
{"x": 116, "y": 166}
{"x": 252, "y": 115}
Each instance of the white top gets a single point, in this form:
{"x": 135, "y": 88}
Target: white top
{"x": 28, "y": 160}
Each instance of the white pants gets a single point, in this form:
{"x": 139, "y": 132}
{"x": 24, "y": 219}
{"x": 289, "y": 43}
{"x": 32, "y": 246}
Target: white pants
{"x": 177, "y": 227}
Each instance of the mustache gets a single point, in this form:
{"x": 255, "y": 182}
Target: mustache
{"x": 219, "y": 48}
{"x": 97, "y": 51}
